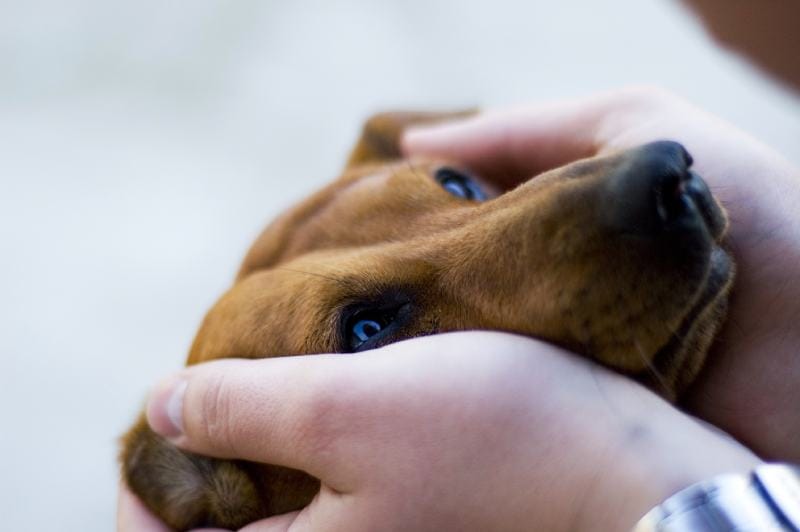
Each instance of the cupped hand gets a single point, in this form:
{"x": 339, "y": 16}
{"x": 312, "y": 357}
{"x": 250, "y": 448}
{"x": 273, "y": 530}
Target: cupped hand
{"x": 751, "y": 385}
{"x": 462, "y": 431}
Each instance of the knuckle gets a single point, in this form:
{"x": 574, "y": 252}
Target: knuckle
{"x": 216, "y": 408}
{"x": 627, "y": 108}
{"x": 325, "y": 415}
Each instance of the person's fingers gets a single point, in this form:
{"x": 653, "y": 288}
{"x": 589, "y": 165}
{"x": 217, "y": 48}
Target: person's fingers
{"x": 512, "y": 145}
{"x": 132, "y": 516}
{"x": 316, "y": 412}
{"x": 272, "y": 411}
{"x": 278, "y": 523}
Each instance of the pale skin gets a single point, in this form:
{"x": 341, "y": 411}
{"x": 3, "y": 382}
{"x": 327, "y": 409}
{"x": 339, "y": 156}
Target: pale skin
{"x": 477, "y": 431}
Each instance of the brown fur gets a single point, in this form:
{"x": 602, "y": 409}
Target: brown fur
{"x": 540, "y": 260}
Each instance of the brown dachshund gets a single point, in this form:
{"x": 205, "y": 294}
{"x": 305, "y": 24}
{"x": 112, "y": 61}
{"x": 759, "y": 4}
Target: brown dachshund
{"x": 616, "y": 257}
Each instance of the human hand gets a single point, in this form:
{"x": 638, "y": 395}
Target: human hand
{"x": 751, "y": 384}
{"x": 133, "y": 516}
{"x": 462, "y": 431}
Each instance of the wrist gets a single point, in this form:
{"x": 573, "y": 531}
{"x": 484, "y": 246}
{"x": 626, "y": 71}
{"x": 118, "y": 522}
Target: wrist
{"x": 766, "y": 498}
{"x": 657, "y": 456}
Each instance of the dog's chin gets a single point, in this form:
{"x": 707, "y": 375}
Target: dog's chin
{"x": 678, "y": 362}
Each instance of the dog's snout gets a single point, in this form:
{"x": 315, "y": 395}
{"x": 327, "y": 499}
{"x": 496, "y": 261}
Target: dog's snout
{"x": 652, "y": 192}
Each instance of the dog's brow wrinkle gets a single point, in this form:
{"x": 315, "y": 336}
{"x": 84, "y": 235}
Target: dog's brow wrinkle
{"x": 313, "y": 274}
{"x": 416, "y": 171}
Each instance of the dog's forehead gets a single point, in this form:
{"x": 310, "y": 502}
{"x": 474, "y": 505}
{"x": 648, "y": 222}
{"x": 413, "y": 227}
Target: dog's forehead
{"x": 377, "y": 205}
{"x": 365, "y": 206}
{"x": 395, "y": 173}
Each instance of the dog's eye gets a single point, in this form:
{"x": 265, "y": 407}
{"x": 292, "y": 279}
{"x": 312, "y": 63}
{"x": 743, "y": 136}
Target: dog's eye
{"x": 459, "y": 184}
{"x": 367, "y": 325}
{"x": 371, "y": 324}
{"x": 363, "y": 330}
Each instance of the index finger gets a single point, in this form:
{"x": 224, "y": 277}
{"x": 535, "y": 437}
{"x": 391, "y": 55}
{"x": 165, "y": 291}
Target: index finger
{"x": 512, "y": 145}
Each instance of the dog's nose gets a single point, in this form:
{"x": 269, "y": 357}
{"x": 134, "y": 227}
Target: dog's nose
{"x": 653, "y": 192}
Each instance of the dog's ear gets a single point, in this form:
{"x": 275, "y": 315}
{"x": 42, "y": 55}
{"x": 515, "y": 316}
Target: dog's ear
{"x": 381, "y": 135}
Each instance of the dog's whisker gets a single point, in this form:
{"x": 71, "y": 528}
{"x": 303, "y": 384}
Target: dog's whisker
{"x": 734, "y": 323}
{"x": 651, "y": 369}
{"x": 593, "y": 370}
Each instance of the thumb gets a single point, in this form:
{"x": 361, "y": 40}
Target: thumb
{"x": 268, "y": 411}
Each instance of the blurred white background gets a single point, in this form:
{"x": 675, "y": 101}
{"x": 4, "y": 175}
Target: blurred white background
{"x": 144, "y": 144}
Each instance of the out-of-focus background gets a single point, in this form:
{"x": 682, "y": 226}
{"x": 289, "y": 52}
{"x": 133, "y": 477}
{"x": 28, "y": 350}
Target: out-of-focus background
{"x": 144, "y": 144}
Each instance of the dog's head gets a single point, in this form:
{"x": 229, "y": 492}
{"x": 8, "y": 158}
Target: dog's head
{"x": 616, "y": 257}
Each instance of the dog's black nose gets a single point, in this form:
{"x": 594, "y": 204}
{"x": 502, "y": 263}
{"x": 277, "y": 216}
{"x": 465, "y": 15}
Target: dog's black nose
{"x": 653, "y": 192}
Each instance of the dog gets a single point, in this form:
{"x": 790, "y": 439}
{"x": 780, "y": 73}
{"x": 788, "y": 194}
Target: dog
{"x": 617, "y": 257}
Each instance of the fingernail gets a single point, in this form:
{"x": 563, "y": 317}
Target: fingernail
{"x": 407, "y": 140}
{"x": 165, "y": 407}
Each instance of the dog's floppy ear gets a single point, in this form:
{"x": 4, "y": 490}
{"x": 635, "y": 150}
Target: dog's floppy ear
{"x": 380, "y": 137}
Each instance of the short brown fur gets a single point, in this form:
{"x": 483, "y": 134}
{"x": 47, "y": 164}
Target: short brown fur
{"x": 538, "y": 260}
